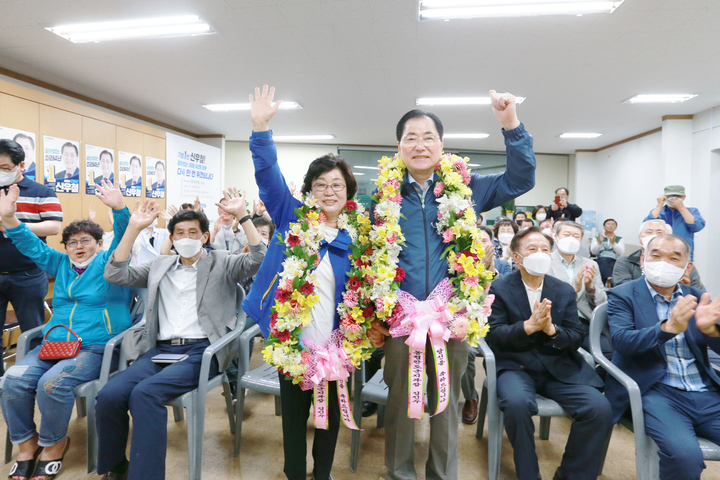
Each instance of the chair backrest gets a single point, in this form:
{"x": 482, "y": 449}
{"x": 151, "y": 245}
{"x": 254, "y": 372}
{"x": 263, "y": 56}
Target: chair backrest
{"x": 239, "y": 299}
{"x": 599, "y": 326}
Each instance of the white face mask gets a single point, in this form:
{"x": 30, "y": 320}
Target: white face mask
{"x": 547, "y": 231}
{"x": 7, "y": 178}
{"x": 646, "y": 240}
{"x": 264, "y": 241}
{"x": 187, "y": 247}
{"x": 540, "y": 217}
{"x": 152, "y": 225}
{"x": 505, "y": 238}
{"x": 663, "y": 274}
{"x": 568, "y": 245}
{"x": 84, "y": 265}
{"x": 537, "y": 264}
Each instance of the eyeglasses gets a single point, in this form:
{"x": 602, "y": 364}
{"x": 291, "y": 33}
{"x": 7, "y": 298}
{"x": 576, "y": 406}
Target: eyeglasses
{"x": 85, "y": 242}
{"x": 321, "y": 187}
{"x": 428, "y": 140}
{"x": 8, "y": 169}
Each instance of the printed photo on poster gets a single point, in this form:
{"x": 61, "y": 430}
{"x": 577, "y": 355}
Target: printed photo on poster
{"x": 155, "y": 178}
{"x": 130, "y": 174}
{"x": 62, "y": 164}
{"x": 99, "y": 166}
{"x": 27, "y": 142}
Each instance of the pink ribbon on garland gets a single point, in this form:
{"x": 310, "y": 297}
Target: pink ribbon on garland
{"x": 330, "y": 366}
{"x": 425, "y": 319}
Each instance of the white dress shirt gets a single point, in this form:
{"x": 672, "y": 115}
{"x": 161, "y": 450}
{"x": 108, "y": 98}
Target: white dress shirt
{"x": 323, "y": 313}
{"x": 177, "y": 309}
{"x": 533, "y": 295}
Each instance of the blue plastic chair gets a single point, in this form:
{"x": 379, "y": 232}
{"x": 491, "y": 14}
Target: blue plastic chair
{"x": 646, "y": 456}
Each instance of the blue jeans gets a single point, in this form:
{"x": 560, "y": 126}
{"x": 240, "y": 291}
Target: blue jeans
{"x": 51, "y": 382}
{"x": 25, "y": 291}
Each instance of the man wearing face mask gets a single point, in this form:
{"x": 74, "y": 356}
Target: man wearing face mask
{"x": 535, "y": 334}
{"x": 685, "y": 221}
{"x": 191, "y": 303}
{"x": 22, "y": 282}
{"x": 662, "y": 332}
{"x": 580, "y": 272}
{"x": 628, "y": 268}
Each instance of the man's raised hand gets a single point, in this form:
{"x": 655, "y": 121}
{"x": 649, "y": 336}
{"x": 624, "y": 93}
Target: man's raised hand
{"x": 681, "y": 313}
{"x": 504, "y": 108}
{"x": 144, "y": 214}
{"x": 8, "y": 201}
{"x": 262, "y": 108}
{"x": 235, "y": 203}
{"x": 110, "y": 195}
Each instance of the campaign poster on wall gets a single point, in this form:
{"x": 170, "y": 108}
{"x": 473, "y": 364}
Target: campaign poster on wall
{"x": 27, "y": 142}
{"x": 193, "y": 170}
{"x": 99, "y": 166}
{"x": 130, "y": 174}
{"x": 154, "y": 178}
{"x": 62, "y": 164}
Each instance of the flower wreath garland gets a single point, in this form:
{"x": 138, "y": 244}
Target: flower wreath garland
{"x": 456, "y": 224}
{"x": 296, "y": 296}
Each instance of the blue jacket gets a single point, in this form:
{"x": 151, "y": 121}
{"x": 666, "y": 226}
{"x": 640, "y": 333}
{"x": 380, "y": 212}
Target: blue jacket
{"x": 514, "y": 349}
{"x": 93, "y": 308}
{"x": 639, "y": 341}
{"x": 421, "y": 257}
{"x": 503, "y": 267}
{"x": 281, "y": 206}
{"x": 683, "y": 230}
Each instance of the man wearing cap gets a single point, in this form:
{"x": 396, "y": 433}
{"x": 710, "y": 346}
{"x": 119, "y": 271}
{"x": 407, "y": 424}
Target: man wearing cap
{"x": 685, "y": 221}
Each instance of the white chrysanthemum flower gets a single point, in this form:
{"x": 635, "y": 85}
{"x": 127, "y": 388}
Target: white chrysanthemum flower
{"x": 452, "y": 203}
{"x": 387, "y": 209}
{"x": 343, "y": 221}
{"x": 293, "y": 266}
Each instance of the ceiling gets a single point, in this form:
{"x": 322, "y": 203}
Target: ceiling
{"x": 357, "y": 65}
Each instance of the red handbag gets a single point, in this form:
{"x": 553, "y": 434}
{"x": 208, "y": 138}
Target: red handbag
{"x": 60, "y": 350}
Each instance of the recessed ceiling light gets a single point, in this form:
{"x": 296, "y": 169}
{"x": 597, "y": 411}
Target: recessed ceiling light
{"x": 290, "y": 138}
{"x": 466, "y": 135}
{"x": 363, "y": 166}
{"x": 234, "y": 107}
{"x": 447, "y": 9}
{"x": 459, "y": 100}
{"x": 671, "y": 98}
{"x": 580, "y": 135}
{"x": 139, "y": 28}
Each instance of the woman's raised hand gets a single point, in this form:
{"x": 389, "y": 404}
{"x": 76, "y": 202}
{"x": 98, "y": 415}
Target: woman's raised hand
{"x": 262, "y": 108}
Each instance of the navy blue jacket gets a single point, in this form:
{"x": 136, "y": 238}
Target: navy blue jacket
{"x": 421, "y": 257}
{"x": 281, "y": 206}
{"x": 514, "y": 349}
{"x": 639, "y": 341}
{"x": 503, "y": 267}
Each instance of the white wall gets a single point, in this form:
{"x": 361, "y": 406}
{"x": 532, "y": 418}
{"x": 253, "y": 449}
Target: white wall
{"x": 623, "y": 182}
{"x": 293, "y": 159}
{"x": 551, "y": 174}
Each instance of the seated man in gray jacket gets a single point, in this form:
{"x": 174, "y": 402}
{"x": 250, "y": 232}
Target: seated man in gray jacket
{"x": 191, "y": 303}
{"x": 627, "y": 268}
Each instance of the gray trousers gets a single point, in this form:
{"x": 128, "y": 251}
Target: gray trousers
{"x": 468, "y": 380}
{"x": 442, "y": 463}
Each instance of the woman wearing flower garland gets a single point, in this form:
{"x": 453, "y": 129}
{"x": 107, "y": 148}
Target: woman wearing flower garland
{"x": 296, "y": 304}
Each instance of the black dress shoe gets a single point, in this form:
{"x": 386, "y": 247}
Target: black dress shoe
{"x": 559, "y": 476}
{"x": 114, "y": 476}
{"x": 369, "y": 409}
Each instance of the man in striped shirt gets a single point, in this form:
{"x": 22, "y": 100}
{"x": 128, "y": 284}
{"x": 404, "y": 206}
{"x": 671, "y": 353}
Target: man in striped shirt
{"x": 22, "y": 283}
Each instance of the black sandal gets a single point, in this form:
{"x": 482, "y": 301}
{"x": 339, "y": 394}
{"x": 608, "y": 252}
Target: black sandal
{"x": 24, "y": 468}
{"x": 50, "y": 468}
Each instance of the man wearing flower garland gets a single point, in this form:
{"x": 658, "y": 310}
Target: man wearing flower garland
{"x": 429, "y": 225}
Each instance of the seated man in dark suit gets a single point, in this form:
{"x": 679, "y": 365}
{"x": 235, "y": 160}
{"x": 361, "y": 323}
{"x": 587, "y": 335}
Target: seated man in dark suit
{"x": 661, "y": 332}
{"x": 535, "y": 334}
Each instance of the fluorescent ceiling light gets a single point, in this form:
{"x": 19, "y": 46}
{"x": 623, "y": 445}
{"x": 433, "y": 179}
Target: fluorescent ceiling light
{"x": 474, "y": 165}
{"x": 580, "y": 135}
{"x": 234, "y": 107}
{"x": 447, "y": 9}
{"x": 672, "y": 98}
{"x": 140, "y": 28}
{"x": 459, "y": 100}
{"x": 466, "y": 135}
{"x": 290, "y": 138}
{"x": 363, "y": 166}
{"x": 358, "y": 173}
{"x": 373, "y": 179}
